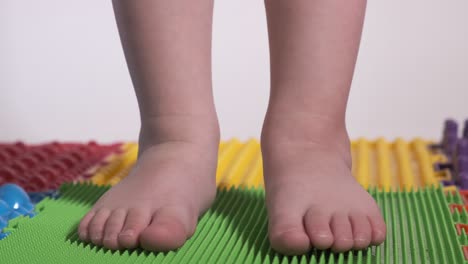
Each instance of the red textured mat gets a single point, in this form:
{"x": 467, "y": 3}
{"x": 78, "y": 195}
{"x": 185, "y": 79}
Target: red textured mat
{"x": 46, "y": 166}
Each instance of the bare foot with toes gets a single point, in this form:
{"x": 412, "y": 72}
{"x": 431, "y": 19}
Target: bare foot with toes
{"x": 312, "y": 198}
{"x": 157, "y": 206}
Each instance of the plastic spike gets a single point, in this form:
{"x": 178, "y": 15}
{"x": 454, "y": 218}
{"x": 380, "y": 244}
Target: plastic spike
{"x": 383, "y": 164}
{"x": 464, "y": 217}
{"x": 241, "y": 165}
{"x": 363, "y": 167}
{"x": 456, "y": 216}
{"x": 463, "y": 238}
{"x": 424, "y": 159}
{"x": 254, "y": 177}
{"x": 456, "y": 197}
{"x": 225, "y": 158}
{"x": 405, "y": 169}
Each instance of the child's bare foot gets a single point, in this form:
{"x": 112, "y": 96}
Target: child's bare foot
{"x": 312, "y": 198}
{"x": 167, "y": 45}
{"x": 158, "y": 204}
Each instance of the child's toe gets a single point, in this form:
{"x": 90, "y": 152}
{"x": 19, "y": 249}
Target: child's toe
{"x": 362, "y": 230}
{"x": 84, "y": 224}
{"x": 379, "y": 229}
{"x": 169, "y": 228}
{"x": 96, "y": 226}
{"x": 136, "y": 221}
{"x": 163, "y": 235}
{"x": 317, "y": 225}
{"x": 290, "y": 242}
{"x": 342, "y": 232}
{"x": 287, "y": 234}
{"x": 113, "y": 227}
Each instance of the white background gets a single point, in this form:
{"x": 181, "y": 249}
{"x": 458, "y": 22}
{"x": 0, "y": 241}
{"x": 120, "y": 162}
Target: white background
{"x": 63, "y": 74}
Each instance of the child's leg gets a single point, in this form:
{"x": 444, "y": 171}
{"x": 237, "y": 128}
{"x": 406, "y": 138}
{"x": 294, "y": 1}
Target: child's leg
{"x": 312, "y": 198}
{"x": 167, "y": 45}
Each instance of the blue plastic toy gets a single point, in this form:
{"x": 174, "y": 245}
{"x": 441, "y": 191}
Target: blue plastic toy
{"x": 4, "y": 208}
{"x": 14, "y": 202}
{"x": 15, "y": 196}
{"x": 3, "y": 222}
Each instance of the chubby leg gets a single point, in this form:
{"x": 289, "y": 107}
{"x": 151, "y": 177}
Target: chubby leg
{"x": 167, "y": 45}
{"x": 312, "y": 198}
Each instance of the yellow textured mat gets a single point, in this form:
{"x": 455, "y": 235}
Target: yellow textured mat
{"x": 389, "y": 166}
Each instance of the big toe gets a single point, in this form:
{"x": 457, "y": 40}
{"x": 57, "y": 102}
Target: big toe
{"x": 290, "y": 242}
{"x": 287, "y": 235}
{"x": 163, "y": 235}
{"x": 169, "y": 229}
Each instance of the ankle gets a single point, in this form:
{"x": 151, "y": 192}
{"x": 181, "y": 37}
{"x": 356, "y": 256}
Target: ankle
{"x": 321, "y": 134}
{"x": 201, "y": 130}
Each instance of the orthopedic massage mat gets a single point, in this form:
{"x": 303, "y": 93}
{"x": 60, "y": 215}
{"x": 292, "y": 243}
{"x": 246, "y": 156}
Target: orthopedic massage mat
{"x": 419, "y": 186}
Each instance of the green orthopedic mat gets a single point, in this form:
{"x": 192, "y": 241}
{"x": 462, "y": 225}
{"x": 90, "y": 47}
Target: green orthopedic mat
{"x": 234, "y": 230}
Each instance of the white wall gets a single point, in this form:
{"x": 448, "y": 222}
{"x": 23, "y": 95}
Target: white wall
{"x": 63, "y": 74}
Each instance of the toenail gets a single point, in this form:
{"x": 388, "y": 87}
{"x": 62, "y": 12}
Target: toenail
{"x": 96, "y": 237}
{"x": 379, "y": 233}
{"x": 322, "y": 234}
{"x": 83, "y": 235}
{"x": 345, "y": 239}
{"x": 128, "y": 232}
{"x": 109, "y": 237}
{"x": 360, "y": 238}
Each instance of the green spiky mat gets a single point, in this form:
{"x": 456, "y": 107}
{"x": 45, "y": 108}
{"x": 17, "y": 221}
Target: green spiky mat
{"x": 234, "y": 230}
